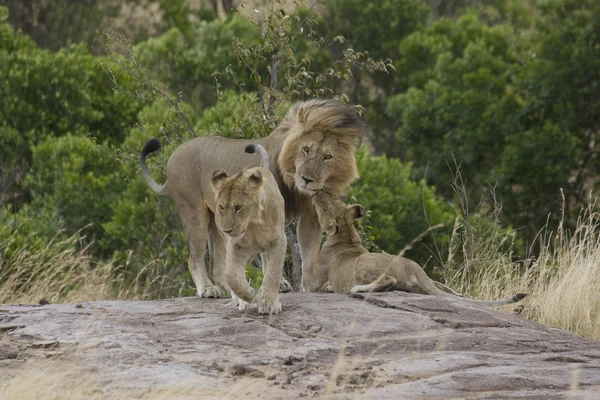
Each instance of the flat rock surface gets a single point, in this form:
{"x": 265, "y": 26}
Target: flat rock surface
{"x": 391, "y": 346}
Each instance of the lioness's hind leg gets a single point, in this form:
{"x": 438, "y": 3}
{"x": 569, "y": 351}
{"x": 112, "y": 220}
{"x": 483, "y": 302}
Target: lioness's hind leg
{"x": 386, "y": 282}
{"x": 235, "y": 273}
{"x": 195, "y": 223}
{"x": 284, "y": 285}
{"x": 219, "y": 248}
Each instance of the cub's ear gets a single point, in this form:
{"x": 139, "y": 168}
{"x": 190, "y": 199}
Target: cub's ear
{"x": 356, "y": 210}
{"x": 256, "y": 178}
{"x": 217, "y": 179}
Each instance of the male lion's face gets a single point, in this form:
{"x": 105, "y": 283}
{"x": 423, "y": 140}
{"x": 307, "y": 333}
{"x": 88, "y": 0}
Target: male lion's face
{"x": 236, "y": 200}
{"x": 323, "y": 161}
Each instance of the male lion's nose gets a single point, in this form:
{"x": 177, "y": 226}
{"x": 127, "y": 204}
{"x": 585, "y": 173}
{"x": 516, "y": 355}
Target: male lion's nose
{"x": 306, "y": 180}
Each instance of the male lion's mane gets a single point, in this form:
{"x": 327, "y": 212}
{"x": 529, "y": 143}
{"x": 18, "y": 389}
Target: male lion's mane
{"x": 334, "y": 119}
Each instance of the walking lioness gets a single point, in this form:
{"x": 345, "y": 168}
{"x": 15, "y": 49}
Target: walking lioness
{"x": 312, "y": 149}
{"x": 345, "y": 266}
{"x": 250, "y": 215}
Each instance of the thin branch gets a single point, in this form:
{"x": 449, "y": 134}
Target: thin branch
{"x": 140, "y": 75}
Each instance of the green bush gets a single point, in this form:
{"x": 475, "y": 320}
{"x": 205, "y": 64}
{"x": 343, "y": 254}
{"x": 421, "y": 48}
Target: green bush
{"x": 75, "y": 180}
{"x": 401, "y": 208}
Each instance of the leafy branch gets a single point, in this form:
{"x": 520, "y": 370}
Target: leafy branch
{"x": 120, "y": 51}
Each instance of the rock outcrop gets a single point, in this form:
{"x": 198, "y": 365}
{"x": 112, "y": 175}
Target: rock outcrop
{"x": 387, "y": 346}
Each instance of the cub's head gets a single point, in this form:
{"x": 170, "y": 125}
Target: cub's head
{"x": 336, "y": 218}
{"x": 318, "y": 152}
{"x": 237, "y": 200}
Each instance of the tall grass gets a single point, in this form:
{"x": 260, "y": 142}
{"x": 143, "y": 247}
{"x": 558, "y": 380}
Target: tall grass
{"x": 562, "y": 282}
{"x": 61, "y": 270}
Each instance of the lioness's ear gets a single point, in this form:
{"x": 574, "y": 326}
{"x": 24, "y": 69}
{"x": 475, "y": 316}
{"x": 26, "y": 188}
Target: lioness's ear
{"x": 356, "y": 210}
{"x": 256, "y": 177}
{"x": 217, "y": 178}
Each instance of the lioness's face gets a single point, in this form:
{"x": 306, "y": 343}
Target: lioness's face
{"x": 235, "y": 200}
{"x": 320, "y": 161}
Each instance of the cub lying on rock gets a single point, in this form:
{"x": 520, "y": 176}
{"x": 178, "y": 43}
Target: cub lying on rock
{"x": 251, "y": 216}
{"x": 345, "y": 266}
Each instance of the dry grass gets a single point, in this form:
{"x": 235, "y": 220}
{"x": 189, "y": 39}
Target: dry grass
{"x": 65, "y": 380}
{"x": 562, "y": 282}
{"x": 63, "y": 271}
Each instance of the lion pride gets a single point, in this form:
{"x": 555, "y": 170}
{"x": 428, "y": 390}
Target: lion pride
{"x": 313, "y": 149}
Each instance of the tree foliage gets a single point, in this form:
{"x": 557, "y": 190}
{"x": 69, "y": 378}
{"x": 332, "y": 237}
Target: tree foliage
{"x": 505, "y": 91}
{"x": 401, "y": 209}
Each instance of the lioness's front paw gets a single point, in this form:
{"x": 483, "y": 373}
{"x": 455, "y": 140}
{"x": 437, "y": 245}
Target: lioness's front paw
{"x": 269, "y": 305}
{"x": 241, "y": 304}
{"x": 210, "y": 291}
{"x": 285, "y": 286}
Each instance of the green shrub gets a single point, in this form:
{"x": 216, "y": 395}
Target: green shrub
{"x": 401, "y": 208}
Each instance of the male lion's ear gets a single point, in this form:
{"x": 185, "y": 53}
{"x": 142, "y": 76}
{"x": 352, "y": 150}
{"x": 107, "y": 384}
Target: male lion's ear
{"x": 256, "y": 177}
{"x": 357, "y": 211}
{"x": 217, "y": 178}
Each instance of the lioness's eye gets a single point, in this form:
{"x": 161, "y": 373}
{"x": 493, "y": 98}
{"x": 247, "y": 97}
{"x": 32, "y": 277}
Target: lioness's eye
{"x": 237, "y": 208}
{"x": 328, "y": 157}
{"x": 221, "y": 207}
{"x": 305, "y": 148}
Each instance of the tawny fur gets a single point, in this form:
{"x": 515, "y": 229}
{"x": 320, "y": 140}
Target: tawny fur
{"x": 345, "y": 266}
{"x": 250, "y": 215}
{"x": 329, "y": 130}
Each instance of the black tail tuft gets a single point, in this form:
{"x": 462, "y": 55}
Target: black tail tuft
{"x": 150, "y": 147}
{"x": 519, "y": 296}
{"x": 250, "y": 149}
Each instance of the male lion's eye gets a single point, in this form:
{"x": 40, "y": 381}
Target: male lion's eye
{"x": 305, "y": 149}
{"x": 221, "y": 207}
{"x": 237, "y": 208}
{"x": 328, "y": 157}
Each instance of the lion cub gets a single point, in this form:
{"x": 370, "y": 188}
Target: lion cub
{"x": 345, "y": 266}
{"x": 251, "y": 216}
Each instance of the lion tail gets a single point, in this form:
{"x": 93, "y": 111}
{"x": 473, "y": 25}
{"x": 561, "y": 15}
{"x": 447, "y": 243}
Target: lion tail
{"x": 253, "y": 148}
{"x": 439, "y": 290}
{"x": 150, "y": 147}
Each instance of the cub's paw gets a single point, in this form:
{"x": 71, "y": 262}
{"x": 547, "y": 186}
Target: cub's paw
{"x": 285, "y": 286}
{"x": 269, "y": 305}
{"x": 360, "y": 289}
{"x": 210, "y": 291}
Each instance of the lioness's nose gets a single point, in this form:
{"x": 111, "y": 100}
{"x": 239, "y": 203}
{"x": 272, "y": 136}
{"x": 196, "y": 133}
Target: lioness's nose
{"x": 306, "y": 180}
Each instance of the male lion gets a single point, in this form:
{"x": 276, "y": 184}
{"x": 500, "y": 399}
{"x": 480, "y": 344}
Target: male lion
{"x": 345, "y": 266}
{"x": 313, "y": 149}
{"x": 250, "y": 213}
